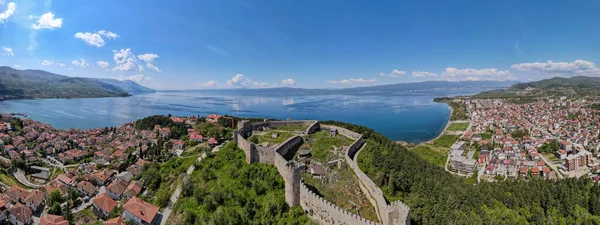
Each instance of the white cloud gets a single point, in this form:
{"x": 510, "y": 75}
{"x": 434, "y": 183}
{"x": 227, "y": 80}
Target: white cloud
{"x": 137, "y": 78}
{"x": 208, "y": 84}
{"x": 47, "y": 21}
{"x": 95, "y": 39}
{"x": 102, "y": 64}
{"x": 352, "y": 81}
{"x": 577, "y": 67}
{"x": 395, "y": 73}
{"x": 47, "y": 63}
{"x": 423, "y": 74}
{"x": 454, "y": 74}
{"x": 238, "y": 80}
{"x": 288, "y": 82}
{"x": 125, "y": 60}
{"x": 149, "y": 59}
{"x": 7, "y": 51}
{"x": 108, "y": 34}
{"x": 81, "y": 63}
{"x": 10, "y": 9}
{"x": 61, "y": 64}
{"x": 16, "y": 66}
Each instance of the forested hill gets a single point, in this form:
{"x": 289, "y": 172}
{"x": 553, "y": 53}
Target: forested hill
{"x": 573, "y": 86}
{"x": 25, "y": 84}
{"x": 437, "y": 197}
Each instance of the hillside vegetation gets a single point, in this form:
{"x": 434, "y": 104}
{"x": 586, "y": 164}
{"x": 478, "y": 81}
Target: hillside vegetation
{"x": 19, "y": 84}
{"x": 437, "y": 197}
{"x": 577, "y": 86}
{"x": 224, "y": 189}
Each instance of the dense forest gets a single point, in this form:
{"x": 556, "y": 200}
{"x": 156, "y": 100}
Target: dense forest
{"x": 436, "y": 197}
{"x": 225, "y": 190}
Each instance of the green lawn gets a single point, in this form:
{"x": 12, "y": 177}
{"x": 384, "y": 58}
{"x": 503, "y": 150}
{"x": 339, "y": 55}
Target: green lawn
{"x": 446, "y": 140}
{"x": 9, "y": 180}
{"x": 268, "y": 138}
{"x": 434, "y": 154}
{"x": 293, "y": 128}
{"x": 55, "y": 171}
{"x": 456, "y": 126}
{"x": 322, "y": 144}
{"x": 486, "y": 136}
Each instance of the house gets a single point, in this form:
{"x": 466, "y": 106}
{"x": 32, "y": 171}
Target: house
{"x": 65, "y": 180}
{"x": 133, "y": 189}
{"x": 53, "y": 220}
{"x": 125, "y": 176}
{"x": 17, "y": 194}
{"x": 535, "y": 172}
{"x": 546, "y": 172}
{"x": 523, "y": 171}
{"x": 55, "y": 185}
{"x": 86, "y": 188}
{"x": 512, "y": 172}
{"x": 562, "y": 154}
{"x": 140, "y": 212}
{"x": 103, "y": 205}
{"x": 116, "y": 189}
{"x": 102, "y": 177}
{"x": 19, "y": 214}
{"x": 135, "y": 169}
{"x": 115, "y": 221}
{"x": 35, "y": 200}
{"x": 4, "y": 210}
{"x": 212, "y": 141}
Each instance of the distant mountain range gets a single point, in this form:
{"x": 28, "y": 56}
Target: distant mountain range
{"x": 573, "y": 86}
{"x": 27, "y": 84}
{"x": 384, "y": 90}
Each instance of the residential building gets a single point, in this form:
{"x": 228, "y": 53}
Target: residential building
{"x": 53, "y": 220}
{"x": 116, "y": 189}
{"x": 103, "y": 205}
{"x": 140, "y": 212}
{"x": 19, "y": 214}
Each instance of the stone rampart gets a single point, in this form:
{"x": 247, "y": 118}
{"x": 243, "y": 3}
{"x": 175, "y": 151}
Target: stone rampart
{"x": 291, "y": 177}
{"x": 325, "y": 212}
{"x": 248, "y": 147}
{"x": 284, "y": 148}
{"x": 314, "y": 127}
{"x": 343, "y": 131}
{"x": 310, "y": 123}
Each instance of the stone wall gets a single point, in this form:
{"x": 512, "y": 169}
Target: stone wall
{"x": 325, "y": 212}
{"x": 248, "y": 147}
{"x": 314, "y": 127}
{"x": 291, "y": 177}
{"x": 284, "y": 148}
{"x": 343, "y": 131}
{"x": 396, "y": 213}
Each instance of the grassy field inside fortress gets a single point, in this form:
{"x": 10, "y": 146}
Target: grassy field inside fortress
{"x": 266, "y": 138}
{"x": 436, "y": 152}
{"x": 293, "y": 128}
{"x": 322, "y": 144}
{"x": 343, "y": 190}
{"x": 458, "y": 126}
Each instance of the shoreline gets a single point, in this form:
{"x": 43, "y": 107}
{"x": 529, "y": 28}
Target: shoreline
{"x": 404, "y": 143}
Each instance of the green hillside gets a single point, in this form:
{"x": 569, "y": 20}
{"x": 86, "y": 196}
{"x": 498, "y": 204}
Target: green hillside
{"x": 577, "y": 86}
{"x": 24, "y": 84}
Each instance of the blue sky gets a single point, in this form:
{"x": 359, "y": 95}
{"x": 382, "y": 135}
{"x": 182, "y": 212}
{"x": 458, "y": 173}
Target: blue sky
{"x": 310, "y": 44}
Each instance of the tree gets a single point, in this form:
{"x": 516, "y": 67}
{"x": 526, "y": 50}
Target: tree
{"x": 55, "y": 197}
{"x": 253, "y": 139}
{"x": 55, "y": 209}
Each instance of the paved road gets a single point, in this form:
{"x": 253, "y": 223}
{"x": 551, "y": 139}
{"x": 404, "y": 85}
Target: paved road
{"x": 20, "y": 176}
{"x": 549, "y": 163}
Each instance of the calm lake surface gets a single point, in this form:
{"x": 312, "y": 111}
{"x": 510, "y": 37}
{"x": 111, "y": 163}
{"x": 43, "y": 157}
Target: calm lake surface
{"x": 411, "y": 116}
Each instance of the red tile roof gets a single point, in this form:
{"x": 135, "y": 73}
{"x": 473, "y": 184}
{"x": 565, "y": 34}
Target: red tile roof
{"x": 143, "y": 210}
{"x": 21, "y": 212}
{"x": 105, "y": 203}
{"x": 115, "y": 221}
{"x": 53, "y": 220}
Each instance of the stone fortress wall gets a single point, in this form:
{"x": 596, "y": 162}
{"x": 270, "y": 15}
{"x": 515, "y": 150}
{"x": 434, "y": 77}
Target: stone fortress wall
{"x": 297, "y": 193}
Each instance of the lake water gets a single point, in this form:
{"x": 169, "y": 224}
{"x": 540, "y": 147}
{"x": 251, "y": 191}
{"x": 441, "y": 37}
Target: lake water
{"x": 412, "y": 117}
